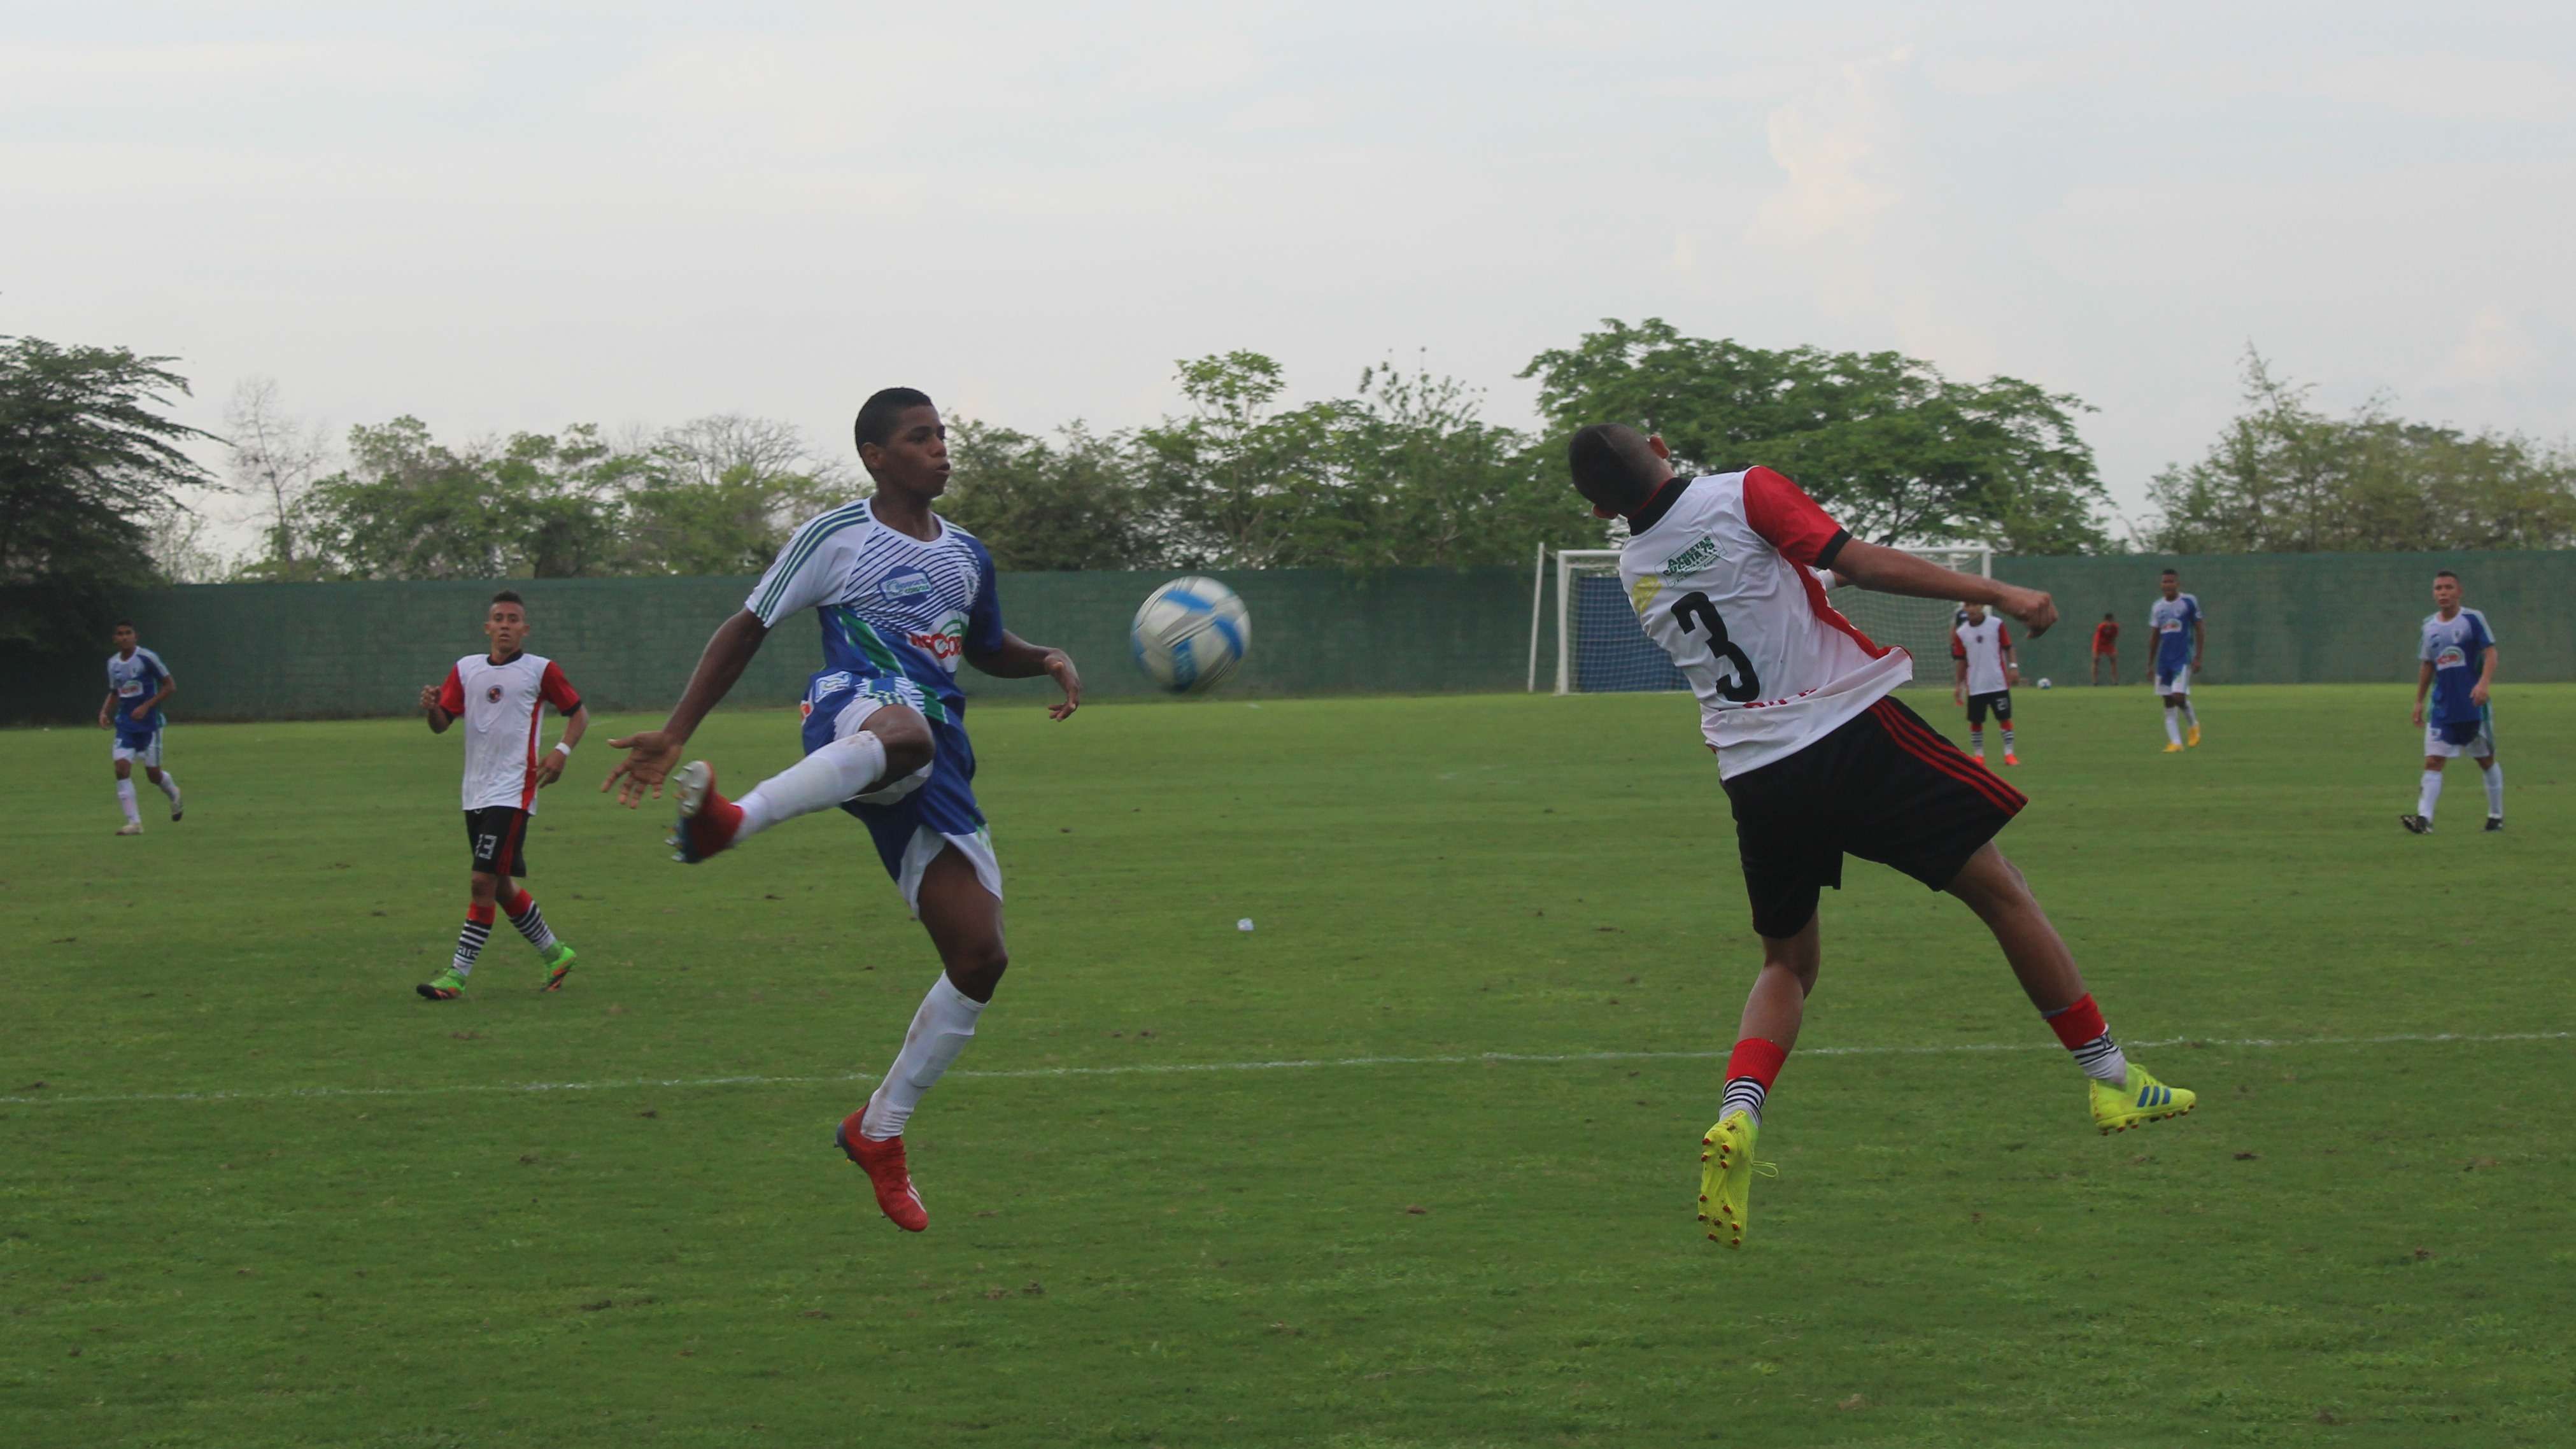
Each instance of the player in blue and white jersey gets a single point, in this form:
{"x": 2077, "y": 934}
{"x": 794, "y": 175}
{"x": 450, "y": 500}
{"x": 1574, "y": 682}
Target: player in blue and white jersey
{"x": 2175, "y": 636}
{"x": 2457, "y": 668}
{"x": 901, "y": 595}
{"x": 137, "y": 682}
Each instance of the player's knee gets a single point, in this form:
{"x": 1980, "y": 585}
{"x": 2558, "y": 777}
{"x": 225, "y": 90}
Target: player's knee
{"x": 977, "y": 968}
{"x": 485, "y": 887}
{"x": 906, "y": 737}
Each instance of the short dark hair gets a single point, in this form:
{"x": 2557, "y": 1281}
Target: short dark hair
{"x": 2446, "y": 574}
{"x": 875, "y": 423}
{"x": 508, "y": 596}
{"x": 2169, "y": 574}
{"x": 122, "y": 624}
{"x": 2109, "y": 615}
{"x": 1613, "y": 467}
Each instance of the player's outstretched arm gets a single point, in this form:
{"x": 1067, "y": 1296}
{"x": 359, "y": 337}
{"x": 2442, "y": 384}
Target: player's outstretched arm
{"x": 651, "y": 754}
{"x": 1894, "y": 571}
{"x": 1017, "y": 658}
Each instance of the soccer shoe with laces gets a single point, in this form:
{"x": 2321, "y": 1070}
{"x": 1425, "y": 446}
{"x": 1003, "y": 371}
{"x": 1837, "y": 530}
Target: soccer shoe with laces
{"x": 2172, "y": 749}
{"x": 1726, "y": 1173}
{"x": 130, "y": 827}
{"x": 2192, "y": 737}
{"x": 2495, "y": 822}
{"x": 177, "y": 809}
{"x": 707, "y": 820}
{"x": 883, "y": 1163}
{"x": 2138, "y": 1101}
{"x": 2416, "y": 824}
{"x": 559, "y": 959}
{"x": 2011, "y": 759}
{"x": 445, "y": 986}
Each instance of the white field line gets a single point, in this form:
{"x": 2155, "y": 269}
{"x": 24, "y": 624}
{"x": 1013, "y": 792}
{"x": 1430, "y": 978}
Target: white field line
{"x": 1309, "y": 1064}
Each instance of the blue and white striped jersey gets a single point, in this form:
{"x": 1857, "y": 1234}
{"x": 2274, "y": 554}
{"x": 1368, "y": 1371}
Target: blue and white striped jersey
{"x": 2456, "y": 647}
{"x": 134, "y": 680}
{"x": 890, "y": 604}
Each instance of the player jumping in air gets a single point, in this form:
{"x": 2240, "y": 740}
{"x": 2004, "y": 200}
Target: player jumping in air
{"x": 501, "y": 697}
{"x": 1982, "y": 649}
{"x": 902, "y": 595}
{"x": 2106, "y": 648}
{"x": 137, "y": 682}
{"x": 1819, "y": 760}
{"x": 2175, "y": 634}
{"x": 2459, "y": 668}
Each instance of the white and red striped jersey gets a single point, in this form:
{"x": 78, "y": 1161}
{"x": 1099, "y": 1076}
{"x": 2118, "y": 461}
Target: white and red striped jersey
{"x": 500, "y": 703}
{"x": 1722, "y": 572}
{"x": 1982, "y": 645}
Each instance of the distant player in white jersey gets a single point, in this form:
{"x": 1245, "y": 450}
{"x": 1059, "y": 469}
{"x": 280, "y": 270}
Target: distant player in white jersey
{"x": 902, "y": 595}
{"x": 2458, "y": 668}
{"x": 501, "y": 696}
{"x": 1819, "y": 760}
{"x": 1981, "y": 651}
{"x": 2176, "y": 634}
{"x": 137, "y": 682}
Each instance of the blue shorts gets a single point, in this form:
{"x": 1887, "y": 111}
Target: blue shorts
{"x": 142, "y": 746}
{"x": 912, "y": 827}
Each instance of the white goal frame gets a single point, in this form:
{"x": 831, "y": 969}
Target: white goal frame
{"x": 1966, "y": 558}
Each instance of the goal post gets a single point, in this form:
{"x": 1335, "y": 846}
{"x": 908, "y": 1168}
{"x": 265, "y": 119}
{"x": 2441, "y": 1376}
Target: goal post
{"x": 1600, "y": 648}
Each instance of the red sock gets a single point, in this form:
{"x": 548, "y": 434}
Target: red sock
{"x": 1750, "y": 1070}
{"x": 520, "y": 906}
{"x": 479, "y": 913}
{"x": 2077, "y": 1023}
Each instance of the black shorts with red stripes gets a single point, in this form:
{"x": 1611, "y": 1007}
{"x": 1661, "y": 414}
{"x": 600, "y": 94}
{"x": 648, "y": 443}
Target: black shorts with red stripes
{"x": 1883, "y": 786}
{"x": 498, "y": 835}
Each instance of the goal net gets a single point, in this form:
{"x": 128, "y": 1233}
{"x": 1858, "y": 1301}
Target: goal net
{"x": 1599, "y": 646}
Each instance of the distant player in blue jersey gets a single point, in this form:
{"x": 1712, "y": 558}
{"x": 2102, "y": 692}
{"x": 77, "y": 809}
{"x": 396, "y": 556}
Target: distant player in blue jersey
{"x": 2458, "y": 668}
{"x": 137, "y": 682}
{"x": 2175, "y": 635}
{"x": 902, "y": 595}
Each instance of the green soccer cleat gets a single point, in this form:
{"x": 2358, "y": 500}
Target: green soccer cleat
{"x": 447, "y": 985}
{"x": 1726, "y": 1176}
{"x": 559, "y": 959}
{"x": 2138, "y": 1101}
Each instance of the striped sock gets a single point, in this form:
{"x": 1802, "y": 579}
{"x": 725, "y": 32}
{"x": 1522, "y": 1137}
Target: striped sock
{"x": 1977, "y": 742}
{"x": 1750, "y": 1070}
{"x": 469, "y": 942}
{"x": 2008, "y": 739}
{"x": 532, "y": 922}
{"x": 2081, "y": 1028}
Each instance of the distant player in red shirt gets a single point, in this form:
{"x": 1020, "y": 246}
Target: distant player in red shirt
{"x": 501, "y": 697}
{"x": 1819, "y": 760}
{"x": 2106, "y": 648}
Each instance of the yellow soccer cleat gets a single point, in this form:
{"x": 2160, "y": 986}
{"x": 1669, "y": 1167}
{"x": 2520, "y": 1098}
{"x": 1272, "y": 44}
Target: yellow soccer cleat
{"x": 2135, "y": 1103}
{"x": 1726, "y": 1177}
{"x": 2192, "y": 738}
{"x": 2172, "y": 749}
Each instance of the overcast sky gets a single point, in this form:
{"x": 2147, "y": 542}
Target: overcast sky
{"x": 639, "y": 213}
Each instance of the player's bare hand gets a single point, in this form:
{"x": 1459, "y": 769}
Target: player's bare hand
{"x": 2478, "y": 693}
{"x": 651, "y": 754}
{"x": 1060, "y": 669}
{"x": 428, "y": 698}
{"x": 2012, "y": 676}
{"x": 2036, "y": 610}
{"x": 549, "y": 769}
{"x": 139, "y": 713}
{"x": 1959, "y": 694}
{"x": 2418, "y": 719}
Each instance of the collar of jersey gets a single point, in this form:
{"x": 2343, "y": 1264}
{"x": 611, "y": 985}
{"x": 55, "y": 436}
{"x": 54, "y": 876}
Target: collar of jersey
{"x": 1658, "y": 504}
{"x": 497, "y": 663}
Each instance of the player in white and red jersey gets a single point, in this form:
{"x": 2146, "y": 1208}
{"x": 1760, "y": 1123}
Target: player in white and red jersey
{"x": 1819, "y": 760}
{"x": 1981, "y": 652}
{"x": 500, "y": 696}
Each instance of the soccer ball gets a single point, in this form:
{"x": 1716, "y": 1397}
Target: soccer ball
{"x": 1190, "y": 635}
{"x": 2043, "y": 684}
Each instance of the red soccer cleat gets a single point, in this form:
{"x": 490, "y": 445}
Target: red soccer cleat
{"x": 2011, "y": 759}
{"x": 708, "y": 821}
{"x": 883, "y": 1163}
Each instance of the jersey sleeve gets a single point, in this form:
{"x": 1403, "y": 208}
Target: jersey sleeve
{"x": 160, "y": 672}
{"x": 984, "y": 615}
{"x": 557, "y": 689}
{"x": 451, "y": 694}
{"x": 2003, "y": 637}
{"x": 1789, "y": 520}
{"x": 2484, "y": 635}
{"x": 1958, "y": 645}
{"x": 803, "y": 573}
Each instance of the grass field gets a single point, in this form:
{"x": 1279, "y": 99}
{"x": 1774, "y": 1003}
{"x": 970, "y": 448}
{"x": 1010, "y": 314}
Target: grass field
{"x": 1198, "y": 1187}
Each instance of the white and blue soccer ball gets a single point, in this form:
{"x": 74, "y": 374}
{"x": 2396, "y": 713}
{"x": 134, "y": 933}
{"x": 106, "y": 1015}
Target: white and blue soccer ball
{"x": 2043, "y": 684}
{"x": 1190, "y": 635}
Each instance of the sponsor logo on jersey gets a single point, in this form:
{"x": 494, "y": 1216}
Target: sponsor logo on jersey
{"x": 1643, "y": 592}
{"x": 492, "y": 695}
{"x": 130, "y": 688}
{"x": 1692, "y": 559}
{"x": 944, "y": 643}
{"x": 838, "y": 679}
{"x": 2450, "y": 656}
{"x": 904, "y": 584}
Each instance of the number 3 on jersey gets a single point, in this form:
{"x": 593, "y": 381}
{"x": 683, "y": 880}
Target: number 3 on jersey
{"x": 1695, "y": 607}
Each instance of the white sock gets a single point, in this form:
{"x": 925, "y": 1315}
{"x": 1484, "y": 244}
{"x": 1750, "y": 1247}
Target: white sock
{"x": 2495, "y": 791}
{"x": 125, "y": 802}
{"x": 821, "y": 780}
{"x": 1976, "y": 742}
{"x": 2173, "y": 724}
{"x": 170, "y": 786}
{"x": 2008, "y": 739}
{"x": 940, "y": 1030}
{"x": 2431, "y": 794}
{"x": 2187, "y": 716}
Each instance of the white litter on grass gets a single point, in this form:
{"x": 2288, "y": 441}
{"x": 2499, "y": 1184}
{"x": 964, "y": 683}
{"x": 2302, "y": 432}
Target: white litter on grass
{"x": 1301, "y": 1064}
{"x": 1244, "y": 925}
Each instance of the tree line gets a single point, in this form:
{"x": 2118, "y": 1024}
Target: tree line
{"x": 1401, "y": 470}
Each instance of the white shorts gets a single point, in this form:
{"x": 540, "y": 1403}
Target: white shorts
{"x": 147, "y": 755}
{"x": 2481, "y": 748}
{"x": 853, "y": 718}
{"x": 2181, "y": 681}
